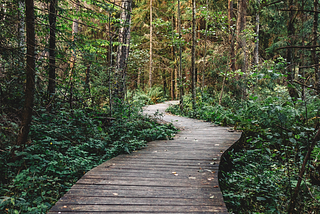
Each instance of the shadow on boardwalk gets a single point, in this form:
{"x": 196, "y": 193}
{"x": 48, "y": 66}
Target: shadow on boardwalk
{"x": 169, "y": 176}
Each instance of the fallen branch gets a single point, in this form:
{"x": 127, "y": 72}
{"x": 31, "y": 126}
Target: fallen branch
{"x": 305, "y": 85}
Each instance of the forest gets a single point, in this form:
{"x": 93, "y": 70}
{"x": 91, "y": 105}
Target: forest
{"x": 75, "y": 74}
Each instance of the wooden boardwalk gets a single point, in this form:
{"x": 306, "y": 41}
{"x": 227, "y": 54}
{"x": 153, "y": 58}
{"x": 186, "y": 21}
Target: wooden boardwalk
{"x": 169, "y": 176}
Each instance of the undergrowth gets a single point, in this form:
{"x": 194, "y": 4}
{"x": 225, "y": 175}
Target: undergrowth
{"x": 63, "y": 146}
{"x": 260, "y": 173}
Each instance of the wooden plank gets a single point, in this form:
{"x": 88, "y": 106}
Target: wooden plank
{"x": 117, "y": 200}
{"x": 137, "y": 208}
{"x": 147, "y": 192}
{"x": 150, "y": 182}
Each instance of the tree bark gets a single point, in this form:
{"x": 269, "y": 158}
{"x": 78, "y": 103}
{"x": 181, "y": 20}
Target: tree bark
{"x": 180, "y": 59}
{"x": 87, "y": 80}
{"x": 314, "y": 43}
{"x": 173, "y": 71}
{"x": 75, "y": 30}
{"x": 241, "y": 41}
{"x": 193, "y": 65}
{"x": 291, "y": 72}
{"x": 205, "y": 52}
{"x": 21, "y": 30}
{"x": 256, "y": 48}
{"x": 52, "y": 47}
{"x": 150, "y": 61}
{"x": 123, "y": 49}
{"x": 231, "y": 35}
{"x": 30, "y": 76}
{"x": 302, "y": 170}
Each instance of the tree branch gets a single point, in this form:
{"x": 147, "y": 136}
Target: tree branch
{"x": 302, "y": 47}
{"x": 303, "y": 168}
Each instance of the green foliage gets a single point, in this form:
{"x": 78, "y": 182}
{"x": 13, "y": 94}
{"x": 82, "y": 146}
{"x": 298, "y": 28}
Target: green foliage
{"x": 65, "y": 145}
{"x": 261, "y": 172}
{"x": 152, "y": 96}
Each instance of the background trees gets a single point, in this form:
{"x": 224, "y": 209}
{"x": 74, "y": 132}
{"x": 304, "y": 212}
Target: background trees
{"x": 94, "y": 58}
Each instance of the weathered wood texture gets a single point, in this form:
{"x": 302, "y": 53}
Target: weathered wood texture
{"x": 169, "y": 176}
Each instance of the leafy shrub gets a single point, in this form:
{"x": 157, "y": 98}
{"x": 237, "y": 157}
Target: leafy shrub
{"x": 65, "y": 145}
{"x": 260, "y": 174}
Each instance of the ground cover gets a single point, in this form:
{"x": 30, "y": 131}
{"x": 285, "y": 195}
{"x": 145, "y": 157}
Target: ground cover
{"x": 63, "y": 146}
{"x": 261, "y": 172}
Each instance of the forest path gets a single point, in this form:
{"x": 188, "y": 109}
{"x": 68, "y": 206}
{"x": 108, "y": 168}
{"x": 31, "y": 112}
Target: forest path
{"x": 168, "y": 176}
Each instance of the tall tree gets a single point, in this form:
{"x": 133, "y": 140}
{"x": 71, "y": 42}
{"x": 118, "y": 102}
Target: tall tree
{"x": 231, "y": 35}
{"x": 256, "y": 48}
{"x": 290, "y": 71}
{"x": 75, "y": 31}
{"x": 174, "y": 70}
{"x": 193, "y": 64}
{"x": 52, "y": 47}
{"x": 314, "y": 43}
{"x": 150, "y": 62}
{"x": 123, "y": 49}
{"x": 30, "y": 75}
{"x": 205, "y": 50}
{"x": 180, "y": 59}
{"x": 241, "y": 24}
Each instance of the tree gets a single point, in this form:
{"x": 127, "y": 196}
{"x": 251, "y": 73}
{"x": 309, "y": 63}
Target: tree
{"x": 241, "y": 41}
{"x": 256, "y": 48}
{"x": 290, "y": 71}
{"x": 52, "y": 51}
{"x": 314, "y": 43}
{"x": 231, "y": 35}
{"x": 180, "y": 59}
{"x": 123, "y": 49}
{"x": 193, "y": 52}
{"x": 150, "y": 62}
{"x": 30, "y": 75}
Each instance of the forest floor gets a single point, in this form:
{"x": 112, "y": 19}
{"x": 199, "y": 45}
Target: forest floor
{"x": 168, "y": 176}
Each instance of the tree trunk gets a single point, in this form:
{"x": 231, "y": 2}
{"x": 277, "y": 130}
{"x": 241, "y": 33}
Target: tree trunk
{"x": 87, "y": 80}
{"x": 173, "y": 71}
{"x": 21, "y": 30}
{"x": 52, "y": 53}
{"x": 30, "y": 75}
{"x": 291, "y": 72}
{"x": 75, "y": 30}
{"x": 110, "y": 65}
{"x": 231, "y": 35}
{"x": 180, "y": 59}
{"x": 139, "y": 77}
{"x": 123, "y": 49}
{"x": 256, "y": 48}
{"x": 222, "y": 88}
{"x": 302, "y": 170}
{"x": 314, "y": 43}
{"x": 150, "y": 61}
{"x": 193, "y": 65}
{"x": 241, "y": 41}
{"x": 205, "y": 52}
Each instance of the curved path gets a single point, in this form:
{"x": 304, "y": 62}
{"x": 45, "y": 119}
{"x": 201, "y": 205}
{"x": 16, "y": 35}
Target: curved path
{"x": 169, "y": 176}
